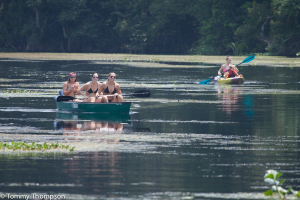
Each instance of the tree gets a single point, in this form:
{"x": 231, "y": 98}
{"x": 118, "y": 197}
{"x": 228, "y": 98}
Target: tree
{"x": 254, "y": 32}
{"x": 285, "y": 27}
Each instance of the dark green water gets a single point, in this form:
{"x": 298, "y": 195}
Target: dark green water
{"x": 187, "y": 141}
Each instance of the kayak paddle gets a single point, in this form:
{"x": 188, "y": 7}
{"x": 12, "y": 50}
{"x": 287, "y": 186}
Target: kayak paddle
{"x": 205, "y": 82}
{"x": 139, "y": 93}
{"x": 248, "y": 59}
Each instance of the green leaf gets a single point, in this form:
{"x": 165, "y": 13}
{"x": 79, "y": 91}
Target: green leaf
{"x": 273, "y": 172}
{"x": 281, "y": 181}
{"x": 270, "y": 176}
{"x": 278, "y": 175}
{"x": 268, "y": 193}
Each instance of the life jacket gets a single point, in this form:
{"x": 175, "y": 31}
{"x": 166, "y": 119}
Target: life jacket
{"x": 231, "y": 74}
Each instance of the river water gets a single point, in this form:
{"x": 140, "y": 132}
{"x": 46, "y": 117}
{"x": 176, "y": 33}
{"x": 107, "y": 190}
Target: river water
{"x": 185, "y": 141}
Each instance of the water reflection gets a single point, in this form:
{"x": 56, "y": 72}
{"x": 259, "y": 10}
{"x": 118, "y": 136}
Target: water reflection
{"x": 165, "y": 149}
{"x": 229, "y": 95}
{"x": 79, "y": 123}
{"x": 100, "y": 169}
{"x": 233, "y": 98}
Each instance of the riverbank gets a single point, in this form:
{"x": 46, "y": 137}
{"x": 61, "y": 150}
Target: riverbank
{"x": 273, "y": 61}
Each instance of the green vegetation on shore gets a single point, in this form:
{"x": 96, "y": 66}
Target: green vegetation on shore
{"x": 143, "y": 59}
{"x": 24, "y": 146}
{"x": 202, "y": 27}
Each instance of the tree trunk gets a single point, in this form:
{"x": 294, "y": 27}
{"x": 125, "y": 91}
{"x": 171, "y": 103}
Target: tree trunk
{"x": 67, "y": 37}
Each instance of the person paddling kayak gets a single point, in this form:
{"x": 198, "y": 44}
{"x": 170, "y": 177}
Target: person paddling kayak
{"x": 232, "y": 73}
{"x": 224, "y": 69}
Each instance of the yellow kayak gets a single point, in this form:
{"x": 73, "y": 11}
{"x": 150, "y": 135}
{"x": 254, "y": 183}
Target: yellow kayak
{"x": 234, "y": 80}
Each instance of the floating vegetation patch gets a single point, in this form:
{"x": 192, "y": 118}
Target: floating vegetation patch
{"x": 156, "y": 64}
{"x": 190, "y": 121}
{"x": 20, "y": 109}
{"x": 24, "y": 146}
{"x": 9, "y": 94}
{"x": 28, "y": 184}
{"x": 43, "y": 85}
{"x": 21, "y": 91}
{"x": 6, "y": 80}
{"x": 158, "y": 85}
{"x": 176, "y": 101}
{"x": 96, "y": 57}
{"x": 245, "y": 92}
{"x": 11, "y": 128}
{"x": 28, "y": 119}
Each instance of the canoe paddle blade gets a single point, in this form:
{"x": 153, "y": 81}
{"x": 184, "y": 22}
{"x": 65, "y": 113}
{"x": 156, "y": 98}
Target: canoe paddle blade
{"x": 205, "y": 82}
{"x": 64, "y": 98}
{"x": 141, "y": 93}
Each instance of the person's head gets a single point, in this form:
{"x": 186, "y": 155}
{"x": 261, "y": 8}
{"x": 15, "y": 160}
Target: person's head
{"x": 111, "y": 76}
{"x": 231, "y": 68}
{"x": 73, "y": 77}
{"x": 228, "y": 59}
{"x": 95, "y": 77}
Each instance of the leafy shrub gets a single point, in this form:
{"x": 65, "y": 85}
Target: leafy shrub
{"x": 272, "y": 177}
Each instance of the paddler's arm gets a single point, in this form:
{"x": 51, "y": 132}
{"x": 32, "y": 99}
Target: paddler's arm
{"x": 77, "y": 89}
{"x": 236, "y": 69}
{"x": 82, "y": 89}
{"x": 67, "y": 91}
{"x": 220, "y": 70}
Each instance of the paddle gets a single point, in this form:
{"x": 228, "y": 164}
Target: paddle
{"x": 248, "y": 59}
{"x": 64, "y": 98}
{"x": 139, "y": 93}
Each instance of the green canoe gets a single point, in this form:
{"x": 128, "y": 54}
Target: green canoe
{"x": 122, "y": 107}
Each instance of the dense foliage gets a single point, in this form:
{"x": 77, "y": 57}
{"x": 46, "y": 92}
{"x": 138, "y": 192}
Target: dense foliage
{"x": 206, "y": 27}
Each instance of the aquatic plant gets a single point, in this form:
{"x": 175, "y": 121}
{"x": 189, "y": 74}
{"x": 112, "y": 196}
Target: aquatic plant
{"x": 24, "y": 146}
{"x": 237, "y": 48}
{"x": 272, "y": 177}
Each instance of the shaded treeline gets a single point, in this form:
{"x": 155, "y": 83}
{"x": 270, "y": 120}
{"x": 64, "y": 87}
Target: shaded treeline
{"x": 206, "y": 27}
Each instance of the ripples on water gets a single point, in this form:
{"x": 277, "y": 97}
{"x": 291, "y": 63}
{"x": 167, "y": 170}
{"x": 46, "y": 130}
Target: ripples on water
{"x": 186, "y": 141}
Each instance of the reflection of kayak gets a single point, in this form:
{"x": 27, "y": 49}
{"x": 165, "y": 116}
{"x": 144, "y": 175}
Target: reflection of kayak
{"x": 234, "y": 80}
{"x": 118, "y": 118}
{"x": 122, "y": 107}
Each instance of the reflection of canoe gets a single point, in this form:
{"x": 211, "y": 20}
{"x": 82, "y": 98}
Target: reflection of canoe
{"x": 235, "y": 80}
{"x": 122, "y": 107}
{"x": 118, "y": 118}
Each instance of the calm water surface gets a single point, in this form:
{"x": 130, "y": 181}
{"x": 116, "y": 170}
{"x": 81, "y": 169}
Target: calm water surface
{"x": 187, "y": 141}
